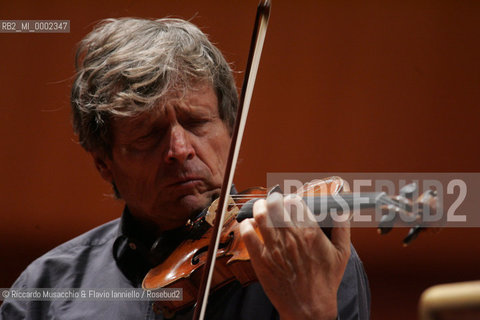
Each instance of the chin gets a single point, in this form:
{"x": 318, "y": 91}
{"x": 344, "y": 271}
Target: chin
{"x": 185, "y": 208}
{"x": 194, "y": 203}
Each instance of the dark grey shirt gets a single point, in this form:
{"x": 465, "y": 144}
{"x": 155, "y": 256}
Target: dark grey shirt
{"x": 89, "y": 261}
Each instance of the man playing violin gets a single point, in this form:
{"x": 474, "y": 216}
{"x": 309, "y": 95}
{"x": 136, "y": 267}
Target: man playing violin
{"x": 154, "y": 104}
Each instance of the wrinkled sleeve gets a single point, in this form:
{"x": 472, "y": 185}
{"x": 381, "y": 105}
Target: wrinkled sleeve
{"x": 354, "y": 293}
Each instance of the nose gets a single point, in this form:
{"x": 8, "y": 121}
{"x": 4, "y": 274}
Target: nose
{"x": 180, "y": 148}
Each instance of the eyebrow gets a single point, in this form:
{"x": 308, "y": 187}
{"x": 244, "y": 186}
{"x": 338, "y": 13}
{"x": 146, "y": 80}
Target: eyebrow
{"x": 194, "y": 112}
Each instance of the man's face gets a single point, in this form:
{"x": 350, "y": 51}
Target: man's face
{"x": 168, "y": 163}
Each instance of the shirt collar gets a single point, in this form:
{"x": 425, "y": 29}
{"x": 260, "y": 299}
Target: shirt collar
{"x": 136, "y": 251}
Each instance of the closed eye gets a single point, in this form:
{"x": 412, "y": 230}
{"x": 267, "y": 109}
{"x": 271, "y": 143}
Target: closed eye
{"x": 195, "y": 123}
{"x": 147, "y": 140}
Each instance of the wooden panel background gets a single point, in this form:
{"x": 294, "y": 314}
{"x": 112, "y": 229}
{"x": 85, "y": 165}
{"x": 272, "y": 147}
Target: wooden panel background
{"x": 383, "y": 86}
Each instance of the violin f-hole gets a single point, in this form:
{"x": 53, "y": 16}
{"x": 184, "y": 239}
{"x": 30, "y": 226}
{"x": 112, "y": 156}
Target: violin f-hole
{"x": 221, "y": 246}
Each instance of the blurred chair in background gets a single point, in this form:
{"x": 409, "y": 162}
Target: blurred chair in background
{"x": 454, "y": 301}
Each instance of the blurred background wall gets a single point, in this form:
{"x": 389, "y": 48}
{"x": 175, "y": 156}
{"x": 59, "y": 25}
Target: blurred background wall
{"x": 345, "y": 86}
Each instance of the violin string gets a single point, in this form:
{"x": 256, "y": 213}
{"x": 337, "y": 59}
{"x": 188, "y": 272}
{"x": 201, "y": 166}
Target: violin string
{"x": 381, "y": 200}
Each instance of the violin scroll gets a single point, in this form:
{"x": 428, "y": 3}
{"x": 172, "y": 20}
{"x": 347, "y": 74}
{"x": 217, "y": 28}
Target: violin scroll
{"x": 411, "y": 210}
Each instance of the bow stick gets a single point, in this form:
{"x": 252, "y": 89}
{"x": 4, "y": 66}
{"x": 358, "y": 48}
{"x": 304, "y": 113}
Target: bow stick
{"x": 256, "y": 45}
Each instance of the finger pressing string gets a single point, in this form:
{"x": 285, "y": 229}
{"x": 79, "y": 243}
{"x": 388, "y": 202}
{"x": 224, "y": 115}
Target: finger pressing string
{"x": 300, "y": 213}
{"x": 262, "y": 219}
{"x": 279, "y": 216}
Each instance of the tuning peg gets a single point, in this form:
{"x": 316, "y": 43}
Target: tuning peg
{"x": 387, "y": 221}
{"x": 428, "y": 202}
{"x": 409, "y": 190}
{"x": 412, "y": 234}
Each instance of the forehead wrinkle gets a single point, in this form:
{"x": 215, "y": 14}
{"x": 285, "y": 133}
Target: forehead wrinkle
{"x": 192, "y": 105}
{"x": 184, "y": 107}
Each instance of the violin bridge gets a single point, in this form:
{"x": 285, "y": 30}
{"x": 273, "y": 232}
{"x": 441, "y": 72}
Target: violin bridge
{"x": 231, "y": 212}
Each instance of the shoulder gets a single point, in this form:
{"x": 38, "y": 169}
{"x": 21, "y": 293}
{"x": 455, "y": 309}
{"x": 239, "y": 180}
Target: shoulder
{"x": 83, "y": 262}
{"x": 69, "y": 257}
{"x": 92, "y": 238}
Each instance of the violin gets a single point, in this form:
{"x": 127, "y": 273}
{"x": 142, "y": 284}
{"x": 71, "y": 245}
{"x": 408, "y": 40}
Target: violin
{"x": 184, "y": 266}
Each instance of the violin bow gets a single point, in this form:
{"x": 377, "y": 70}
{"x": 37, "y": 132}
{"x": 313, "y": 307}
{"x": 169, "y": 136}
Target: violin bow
{"x": 256, "y": 45}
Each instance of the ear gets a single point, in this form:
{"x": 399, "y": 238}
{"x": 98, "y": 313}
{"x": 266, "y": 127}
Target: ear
{"x": 103, "y": 165}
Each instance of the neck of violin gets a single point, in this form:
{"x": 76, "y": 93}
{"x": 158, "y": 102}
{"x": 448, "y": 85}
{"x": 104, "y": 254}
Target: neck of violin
{"x": 342, "y": 202}
{"x": 324, "y": 203}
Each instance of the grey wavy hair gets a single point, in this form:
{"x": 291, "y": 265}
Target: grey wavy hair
{"x": 127, "y": 66}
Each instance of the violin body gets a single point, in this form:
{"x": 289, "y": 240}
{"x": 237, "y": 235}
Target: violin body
{"x": 184, "y": 267}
